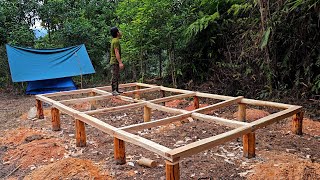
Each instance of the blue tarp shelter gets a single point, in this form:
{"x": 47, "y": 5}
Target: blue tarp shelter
{"x": 48, "y": 70}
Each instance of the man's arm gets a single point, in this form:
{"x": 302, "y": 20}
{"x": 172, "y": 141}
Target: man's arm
{"x": 116, "y": 50}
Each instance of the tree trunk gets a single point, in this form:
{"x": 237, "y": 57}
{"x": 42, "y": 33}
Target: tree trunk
{"x": 160, "y": 64}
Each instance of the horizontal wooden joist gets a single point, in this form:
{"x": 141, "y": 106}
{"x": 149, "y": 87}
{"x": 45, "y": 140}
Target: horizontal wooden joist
{"x": 142, "y": 90}
{"x": 156, "y": 123}
{"x": 218, "y": 120}
{"x": 275, "y": 117}
{"x": 143, "y": 142}
{"x": 166, "y": 109}
{"x": 58, "y": 105}
{"x": 64, "y": 93}
{"x": 170, "y": 98}
{"x": 116, "y": 108}
{"x": 120, "y": 86}
{"x": 219, "y": 105}
{"x": 86, "y": 99}
{"x": 204, "y": 144}
{"x": 99, "y": 91}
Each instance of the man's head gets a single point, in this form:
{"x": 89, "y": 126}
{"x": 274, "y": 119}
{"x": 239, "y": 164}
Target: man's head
{"x": 115, "y": 32}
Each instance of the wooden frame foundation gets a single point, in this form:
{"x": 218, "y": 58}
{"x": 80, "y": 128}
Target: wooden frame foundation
{"x": 172, "y": 156}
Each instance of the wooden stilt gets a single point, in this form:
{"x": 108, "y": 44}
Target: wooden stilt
{"x": 119, "y": 151}
{"x": 242, "y": 112}
{"x": 93, "y": 102}
{"x": 147, "y": 114}
{"x": 137, "y": 94}
{"x": 55, "y": 119}
{"x": 80, "y": 134}
{"x": 39, "y": 109}
{"x": 172, "y": 171}
{"x": 163, "y": 94}
{"x": 249, "y": 145}
{"x": 196, "y": 102}
{"x": 297, "y": 123}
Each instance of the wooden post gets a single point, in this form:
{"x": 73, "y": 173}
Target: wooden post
{"x": 196, "y": 102}
{"x": 55, "y": 119}
{"x": 249, "y": 145}
{"x": 297, "y": 123}
{"x": 119, "y": 151}
{"x": 39, "y": 109}
{"x": 172, "y": 171}
{"x": 93, "y": 102}
{"x": 163, "y": 94}
{"x": 146, "y": 114}
{"x": 137, "y": 94}
{"x": 80, "y": 134}
{"x": 242, "y": 112}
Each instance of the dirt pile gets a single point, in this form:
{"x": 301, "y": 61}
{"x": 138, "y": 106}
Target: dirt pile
{"x": 281, "y": 165}
{"x": 69, "y": 168}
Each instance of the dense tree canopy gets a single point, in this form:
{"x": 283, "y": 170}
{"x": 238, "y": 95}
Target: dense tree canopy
{"x": 255, "y": 47}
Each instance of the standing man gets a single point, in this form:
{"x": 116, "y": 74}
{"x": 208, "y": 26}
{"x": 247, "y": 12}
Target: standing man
{"x": 115, "y": 61}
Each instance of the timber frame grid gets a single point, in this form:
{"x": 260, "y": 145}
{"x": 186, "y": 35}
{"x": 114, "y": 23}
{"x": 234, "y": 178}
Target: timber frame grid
{"x": 172, "y": 156}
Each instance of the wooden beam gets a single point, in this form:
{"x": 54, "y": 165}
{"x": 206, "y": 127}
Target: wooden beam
{"x": 242, "y": 112}
{"x": 146, "y": 85}
{"x": 170, "y": 98}
{"x": 136, "y": 93}
{"x": 142, "y": 90}
{"x": 175, "y": 90}
{"x": 172, "y": 171}
{"x": 119, "y": 151}
{"x": 266, "y": 103}
{"x": 86, "y": 99}
{"x": 196, "y": 102}
{"x": 99, "y": 91}
{"x": 275, "y": 117}
{"x": 120, "y": 86}
{"x": 39, "y": 109}
{"x": 218, "y": 105}
{"x": 156, "y": 123}
{"x": 208, "y": 143}
{"x": 297, "y": 123}
{"x": 213, "y": 96}
{"x": 218, "y": 120}
{"x": 117, "y": 108}
{"x": 142, "y": 142}
{"x": 166, "y": 109}
{"x": 55, "y": 119}
{"x": 64, "y": 93}
{"x": 80, "y": 134}
{"x": 249, "y": 145}
{"x": 146, "y": 114}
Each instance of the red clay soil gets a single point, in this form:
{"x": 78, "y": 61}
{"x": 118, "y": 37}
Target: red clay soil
{"x": 279, "y": 165}
{"x": 253, "y": 114}
{"x": 70, "y": 168}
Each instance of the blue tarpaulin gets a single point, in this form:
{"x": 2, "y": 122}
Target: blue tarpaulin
{"x": 50, "y": 86}
{"x": 56, "y": 65}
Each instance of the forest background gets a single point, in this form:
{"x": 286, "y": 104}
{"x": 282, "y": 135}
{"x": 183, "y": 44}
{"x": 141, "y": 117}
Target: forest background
{"x": 262, "y": 49}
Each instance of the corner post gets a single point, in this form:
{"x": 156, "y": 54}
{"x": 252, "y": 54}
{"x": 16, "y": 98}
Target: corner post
{"x": 80, "y": 134}
{"x": 93, "y": 102}
{"x": 297, "y": 123}
{"x": 172, "y": 170}
{"x": 249, "y": 145}
{"x": 119, "y": 151}
{"x": 55, "y": 119}
{"x": 39, "y": 109}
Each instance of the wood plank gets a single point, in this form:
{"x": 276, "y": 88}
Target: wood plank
{"x": 142, "y": 142}
{"x": 120, "y": 86}
{"x": 175, "y": 90}
{"x": 146, "y": 85}
{"x": 170, "y": 98}
{"x": 266, "y": 103}
{"x": 275, "y": 117}
{"x": 58, "y": 105}
{"x": 142, "y": 90}
{"x": 115, "y": 109}
{"x": 166, "y": 109}
{"x": 99, "y": 91}
{"x": 64, "y": 93}
{"x": 218, "y": 105}
{"x": 204, "y": 144}
{"x": 213, "y": 96}
{"x": 155, "y": 123}
{"x": 218, "y": 120}
{"x": 86, "y": 99}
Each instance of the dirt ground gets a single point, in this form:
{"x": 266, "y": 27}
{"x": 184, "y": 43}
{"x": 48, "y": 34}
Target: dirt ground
{"x": 29, "y": 149}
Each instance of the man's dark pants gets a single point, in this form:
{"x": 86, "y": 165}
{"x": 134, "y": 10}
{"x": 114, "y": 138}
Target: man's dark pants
{"x": 115, "y": 71}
